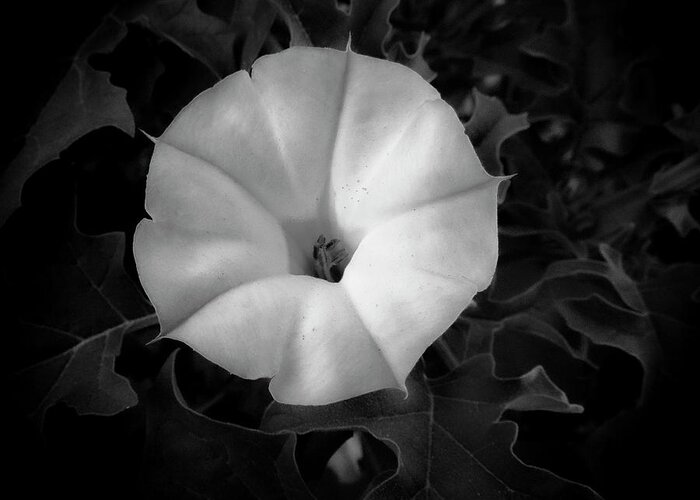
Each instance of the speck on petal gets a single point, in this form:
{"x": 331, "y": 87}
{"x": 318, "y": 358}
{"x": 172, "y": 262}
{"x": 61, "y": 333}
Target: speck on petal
{"x": 316, "y": 142}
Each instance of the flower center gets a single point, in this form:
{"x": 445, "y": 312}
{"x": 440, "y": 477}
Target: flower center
{"x": 330, "y": 259}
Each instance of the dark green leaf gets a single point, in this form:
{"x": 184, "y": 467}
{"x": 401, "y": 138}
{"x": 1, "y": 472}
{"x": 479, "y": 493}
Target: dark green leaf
{"x": 447, "y": 434}
{"x": 578, "y": 268}
{"x": 608, "y": 324}
{"x": 531, "y": 44}
{"x": 681, "y": 177}
{"x": 414, "y": 60}
{"x": 205, "y": 37}
{"x": 82, "y": 377}
{"x": 687, "y": 127}
{"x": 525, "y": 219}
{"x": 647, "y": 319}
{"x": 324, "y": 24}
{"x": 557, "y": 42}
{"x": 257, "y": 17}
{"x": 73, "y": 300}
{"x": 672, "y": 187}
{"x": 202, "y": 36}
{"x": 297, "y": 31}
{"x": 530, "y": 324}
{"x": 84, "y": 100}
{"x": 678, "y": 214}
{"x": 189, "y": 455}
{"x": 488, "y": 127}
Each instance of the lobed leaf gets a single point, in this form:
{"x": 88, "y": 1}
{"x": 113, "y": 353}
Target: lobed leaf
{"x": 488, "y": 127}
{"x": 447, "y": 434}
{"x": 607, "y": 324}
{"x": 687, "y": 127}
{"x": 73, "y": 299}
{"x": 189, "y": 455}
{"x": 568, "y": 268}
{"x": 414, "y": 60}
{"x": 84, "y": 100}
{"x": 206, "y": 37}
{"x": 322, "y": 23}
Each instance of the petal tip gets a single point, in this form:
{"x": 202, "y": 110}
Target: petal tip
{"x": 576, "y": 408}
{"x": 403, "y": 389}
{"x": 154, "y": 140}
{"x": 158, "y": 337}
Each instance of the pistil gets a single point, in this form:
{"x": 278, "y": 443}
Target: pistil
{"x": 330, "y": 259}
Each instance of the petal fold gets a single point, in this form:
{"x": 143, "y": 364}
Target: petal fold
{"x": 413, "y": 275}
{"x": 207, "y": 236}
{"x": 299, "y": 330}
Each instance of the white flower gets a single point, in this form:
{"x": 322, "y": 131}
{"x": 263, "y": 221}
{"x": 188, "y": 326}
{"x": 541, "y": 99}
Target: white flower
{"x": 317, "y": 142}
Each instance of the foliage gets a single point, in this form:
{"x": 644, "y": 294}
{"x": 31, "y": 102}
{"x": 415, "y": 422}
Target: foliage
{"x": 446, "y": 433}
{"x": 594, "y": 300}
{"x": 57, "y": 276}
{"x": 70, "y": 113}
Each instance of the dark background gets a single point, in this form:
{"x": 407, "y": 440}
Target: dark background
{"x": 620, "y": 451}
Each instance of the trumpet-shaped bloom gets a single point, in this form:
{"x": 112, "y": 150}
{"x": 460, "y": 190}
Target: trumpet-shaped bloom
{"x": 316, "y": 142}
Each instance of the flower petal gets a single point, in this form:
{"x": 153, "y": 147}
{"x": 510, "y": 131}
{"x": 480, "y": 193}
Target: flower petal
{"x": 429, "y": 159}
{"x": 412, "y": 276}
{"x": 331, "y": 110}
{"x": 229, "y": 127}
{"x": 304, "y": 113}
{"x": 316, "y": 141}
{"x": 300, "y": 330}
{"x": 207, "y": 236}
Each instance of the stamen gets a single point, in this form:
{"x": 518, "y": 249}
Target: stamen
{"x": 330, "y": 259}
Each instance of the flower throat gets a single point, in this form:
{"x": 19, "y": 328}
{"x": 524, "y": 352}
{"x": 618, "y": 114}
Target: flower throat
{"x": 330, "y": 259}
